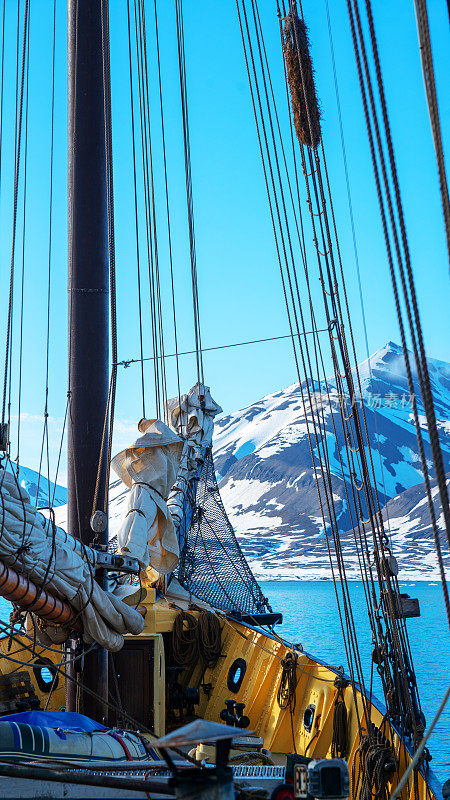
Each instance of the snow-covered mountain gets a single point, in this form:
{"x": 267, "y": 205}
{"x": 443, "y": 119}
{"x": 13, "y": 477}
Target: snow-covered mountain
{"x": 38, "y": 486}
{"x": 267, "y": 483}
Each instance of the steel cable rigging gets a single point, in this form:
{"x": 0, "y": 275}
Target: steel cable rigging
{"x": 22, "y": 278}
{"x": 151, "y": 236}
{"x": 359, "y": 429}
{"x": 188, "y": 174}
{"x": 143, "y": 151}
{"x": 19, "y": 119}
{"x": 281, "y": 251}
{"x": 45, "y": 439}
{"x": 381, "y": 602}
{"x": 407, "y": 283}
{"x": 426, "y": 57}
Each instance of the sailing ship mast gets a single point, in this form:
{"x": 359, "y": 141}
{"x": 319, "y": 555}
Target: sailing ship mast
{"x": 88, "y": 292}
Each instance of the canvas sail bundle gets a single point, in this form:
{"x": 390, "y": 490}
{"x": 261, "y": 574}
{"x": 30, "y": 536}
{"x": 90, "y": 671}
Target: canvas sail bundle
{"x": 157, "y": 468}
{"x": 149, "y": 468}
{"x": 28, "y": 543}
{"x": 192, "y": 416}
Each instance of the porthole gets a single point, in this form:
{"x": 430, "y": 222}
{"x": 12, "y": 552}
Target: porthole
{"x": 308, "y": 717}
{"x": 45, "y": 673}
{"x": 236, "y": 675}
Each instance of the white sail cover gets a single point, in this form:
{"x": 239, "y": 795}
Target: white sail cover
{"x": 27, "y": 543}
{"x": 157, "y": 468}
{"x": 149, "y": 468}
{"x": 192, "y": 416}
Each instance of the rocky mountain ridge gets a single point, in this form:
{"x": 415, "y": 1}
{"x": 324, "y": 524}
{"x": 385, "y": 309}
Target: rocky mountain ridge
{"x": 263, "y": 458}
{"x": 263, "y": 461}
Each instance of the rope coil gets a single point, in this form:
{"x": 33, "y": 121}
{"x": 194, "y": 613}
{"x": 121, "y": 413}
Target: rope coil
{"x": 376, "y": 766}
{"x": 196, "y": 639}
{"x": 288, "y": 682}
{"x": 339, "y": 742}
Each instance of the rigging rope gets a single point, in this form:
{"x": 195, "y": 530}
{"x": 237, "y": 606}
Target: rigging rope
{"x": 275, "y": 213}
{"x": 188, "y": 174}
{"x": 149, "y": 209}
{"x": 365, "y": 507}
{"x": 358, "y": 44}
{"x": 49, "y": 274}
{"x": 1, "y": 85}
{"x": 210, "y": 639}
{"x": 355, "y": 247}
{"x": 426, "y": 57}
{"x": 109, "y": 411}
{"x": 19, "y": 111}
{"x": 128, "y": 361}
{"x": 415, "y": 761}
{"x": 22, "y": 287}
{"x": 166, "y": 187}
{"x": 136, "y": 222}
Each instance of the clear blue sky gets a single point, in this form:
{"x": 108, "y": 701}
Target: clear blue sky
{"x": 239, "y": 285}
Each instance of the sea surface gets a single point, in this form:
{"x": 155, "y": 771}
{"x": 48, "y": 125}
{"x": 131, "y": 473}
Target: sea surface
{"x": 310, "y": 617}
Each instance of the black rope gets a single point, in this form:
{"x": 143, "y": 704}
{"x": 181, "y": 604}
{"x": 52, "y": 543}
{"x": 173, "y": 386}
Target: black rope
{"x": 426, "y": 57}
{"x": 145, "y": 148}
{"x": 49, "y": 274}
{"x": 22, "y": 286}
{"x": 339, "y": 741}
{"x": 111, "y": 241}
{"x": 355, "y": 430}
{"x": 166, "y": 187}
{"x": 268, "y": 170}
{"x": 19, "y": 108}
{"x": 156, "y": 288}
{"x": 419, "y": 436}
{"x": 128, "y": 361}
{"x": 136, "y": 222}
{"x": 2, "y": 84}
{"x": 188, "y": 175}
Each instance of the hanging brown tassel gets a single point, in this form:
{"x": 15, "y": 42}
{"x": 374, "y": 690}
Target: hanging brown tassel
{"x": 300, "y": 73}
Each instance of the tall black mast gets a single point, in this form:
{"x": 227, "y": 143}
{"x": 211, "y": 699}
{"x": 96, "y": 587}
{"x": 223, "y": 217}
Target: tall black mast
{"x": 88, "y": 284}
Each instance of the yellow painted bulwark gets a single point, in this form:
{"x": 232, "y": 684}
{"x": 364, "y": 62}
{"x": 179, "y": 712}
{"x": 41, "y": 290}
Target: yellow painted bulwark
{"x": 282, "y": 732}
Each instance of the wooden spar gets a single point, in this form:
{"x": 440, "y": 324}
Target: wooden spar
{"x": 24, "y": 593}
{"x": 88, "y": 285}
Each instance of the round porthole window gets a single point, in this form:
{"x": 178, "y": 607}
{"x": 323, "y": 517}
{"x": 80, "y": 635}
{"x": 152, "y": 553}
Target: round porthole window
{"x": 45, "y": 672}
{"x": 308, "y": 717}
{"x": 236, "y": 674}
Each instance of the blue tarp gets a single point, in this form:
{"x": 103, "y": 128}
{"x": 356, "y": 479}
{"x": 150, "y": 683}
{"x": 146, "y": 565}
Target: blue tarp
{"x": 68, "y": 720}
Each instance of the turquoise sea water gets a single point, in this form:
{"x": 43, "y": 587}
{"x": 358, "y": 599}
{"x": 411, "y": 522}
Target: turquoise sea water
{"x": 310, "y": 617}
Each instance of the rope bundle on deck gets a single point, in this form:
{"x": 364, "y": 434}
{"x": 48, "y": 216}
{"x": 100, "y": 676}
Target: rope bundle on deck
{"x": 339, "y": 741}
{"x": 288, "y": 682}
{"x": 300, "y": 73}
{"x": 194, "y": 639}
{"x": 376, "y": 766}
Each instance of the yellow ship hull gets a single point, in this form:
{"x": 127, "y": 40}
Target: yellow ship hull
{"x": 283, "y": 731}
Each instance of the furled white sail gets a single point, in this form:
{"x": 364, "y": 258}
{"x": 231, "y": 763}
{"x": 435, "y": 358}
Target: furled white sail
{"x": 27, "y": 542}
{"x": 192, "y": 416}
{"x": 157, "y": 468}
{"x": 149, "y": 468}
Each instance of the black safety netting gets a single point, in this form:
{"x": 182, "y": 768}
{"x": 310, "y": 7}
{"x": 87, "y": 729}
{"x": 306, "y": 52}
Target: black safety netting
{"x": 212, "y": 565}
